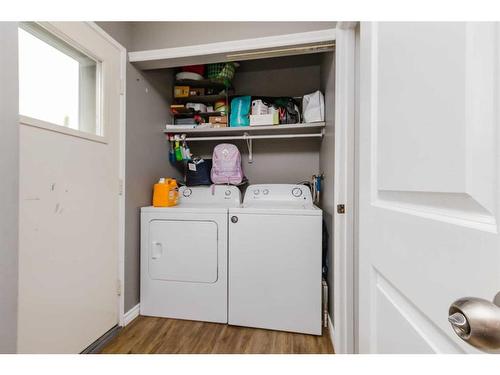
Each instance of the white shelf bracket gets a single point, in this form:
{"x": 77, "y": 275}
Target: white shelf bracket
{"x": 249, "y": 146}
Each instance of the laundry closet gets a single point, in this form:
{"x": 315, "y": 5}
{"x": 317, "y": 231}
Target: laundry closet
{"x": 289, "y": 65}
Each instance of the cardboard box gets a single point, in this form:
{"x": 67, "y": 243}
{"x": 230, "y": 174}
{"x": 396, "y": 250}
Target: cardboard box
{"x": 269, "y": 119}
{"x": 196, "y": 91}
{"x": 219, "y": 125}
{"x": 181, "y": 91}
{"x": 218, "y": 120}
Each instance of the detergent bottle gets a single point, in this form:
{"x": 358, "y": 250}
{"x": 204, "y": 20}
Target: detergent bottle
{"x": 178, "y": 151}
{"x": 173, "y": 192}
{"x": 165, "y": 193}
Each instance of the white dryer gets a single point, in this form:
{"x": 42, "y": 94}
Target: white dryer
{"x": 184, "y": 255}
{"x": 275, "y": 260}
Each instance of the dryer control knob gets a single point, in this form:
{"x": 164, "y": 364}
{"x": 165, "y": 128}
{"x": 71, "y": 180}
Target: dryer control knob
{"x": 234, "y": 219}
{"x": 228, "y": 192}
{"x": 265, "y": 191}
{"x": 187, "y": 192}
{"x": 297, "y": 192}
{"x": 256, "y": 192}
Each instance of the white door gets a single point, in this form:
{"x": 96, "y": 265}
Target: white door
{"x": 183, "y": 251}
{"x": 69, "y": 187}
{"x": 429, "y": 188}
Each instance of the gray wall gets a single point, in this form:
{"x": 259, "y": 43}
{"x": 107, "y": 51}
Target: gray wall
{"x": 120, "y": 31}
{"x": 146, "y": 162}
{"x": 282, "y": 76}
{"x": 326, "y": 157}
{"x": 281, "y": 160}
{"x": 155, "y": 35}
{"x": 146, "y": 155}
{"x": 9, "y": 200}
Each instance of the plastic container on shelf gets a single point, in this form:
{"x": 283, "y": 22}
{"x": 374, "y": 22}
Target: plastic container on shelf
{"x": 240, "y": 111}
{"x": 198, "y": 69}
{"x": 221, "y": 71}
{"x": 221, "y": 106}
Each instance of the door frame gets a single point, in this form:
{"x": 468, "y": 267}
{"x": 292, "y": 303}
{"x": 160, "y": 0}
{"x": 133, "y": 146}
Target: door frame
{"x": 345, "y": 230}
{"x": 120, "y": 287}
{"x": 344, "y": 226}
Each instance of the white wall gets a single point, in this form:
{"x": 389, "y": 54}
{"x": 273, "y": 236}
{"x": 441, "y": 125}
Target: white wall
{"x": 9, "y": 200}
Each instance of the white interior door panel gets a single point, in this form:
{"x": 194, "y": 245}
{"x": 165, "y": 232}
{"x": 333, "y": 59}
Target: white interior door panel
{"x": 69, "y": 218}
{"x": 428, "y": 181}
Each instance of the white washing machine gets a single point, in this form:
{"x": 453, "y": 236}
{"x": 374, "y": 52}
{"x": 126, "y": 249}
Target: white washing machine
{"x": 275, "y": 260}
{"x": 184, "y": 255}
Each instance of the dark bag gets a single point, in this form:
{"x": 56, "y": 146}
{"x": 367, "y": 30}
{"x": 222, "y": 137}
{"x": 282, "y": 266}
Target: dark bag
{"x": 197, "y": 172}
{"x": 289, "y": 112}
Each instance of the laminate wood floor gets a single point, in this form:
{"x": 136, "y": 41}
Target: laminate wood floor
{"x": 165, "y": 336}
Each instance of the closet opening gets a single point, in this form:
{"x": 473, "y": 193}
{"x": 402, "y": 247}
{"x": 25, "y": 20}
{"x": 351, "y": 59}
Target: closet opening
{"x": 296, "y": 153}
{"x": 301, "y": 153}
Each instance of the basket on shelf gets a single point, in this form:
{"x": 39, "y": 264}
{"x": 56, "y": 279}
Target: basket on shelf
{"x": 221, "y": 71}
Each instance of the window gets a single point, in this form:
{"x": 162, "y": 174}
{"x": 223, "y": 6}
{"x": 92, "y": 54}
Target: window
{"x": 57, "y": 83}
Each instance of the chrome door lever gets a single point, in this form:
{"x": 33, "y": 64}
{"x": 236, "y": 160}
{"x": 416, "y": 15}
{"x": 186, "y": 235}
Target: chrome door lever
{"x": 477, "y": 322}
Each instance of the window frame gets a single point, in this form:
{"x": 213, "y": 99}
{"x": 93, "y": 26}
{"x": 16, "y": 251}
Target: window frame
{"x": 48, "y": 34}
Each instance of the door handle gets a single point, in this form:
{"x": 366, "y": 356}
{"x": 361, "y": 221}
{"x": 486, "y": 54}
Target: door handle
{"x": 157, "y": 250}
{"x": 477, "y": 322}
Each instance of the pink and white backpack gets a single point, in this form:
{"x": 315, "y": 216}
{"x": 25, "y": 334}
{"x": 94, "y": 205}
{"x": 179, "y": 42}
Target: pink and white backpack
{"x": 226, "y": 165}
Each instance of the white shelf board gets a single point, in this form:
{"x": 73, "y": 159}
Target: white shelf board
{"x": 234, "y": 50}
{"x": 301, "y": 128}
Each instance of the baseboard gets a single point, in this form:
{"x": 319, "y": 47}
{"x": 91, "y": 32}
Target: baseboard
{"x": 331, "y": 331}
{"x": 131, "y": 314}
{"x": 101, "y": 342}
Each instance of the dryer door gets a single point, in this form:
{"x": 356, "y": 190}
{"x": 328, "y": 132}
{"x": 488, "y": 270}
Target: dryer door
{"x": 183, "y": 250}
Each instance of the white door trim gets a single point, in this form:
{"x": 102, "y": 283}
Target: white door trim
{"x": 130, "y": 315}
{"x": 331, "y": 331}
{"x": 343, "y": 233}
{"x": 121, "y": 198}
{"x": 343, "y": 313}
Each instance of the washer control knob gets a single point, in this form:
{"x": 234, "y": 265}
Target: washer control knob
{"x": 296, "y": 192}
{"x": 234, "y": 219}
{"x": 187, "y": 192}
{"x": 256, "y": 192}
{"x": 228, "y": 193}
{"x": 265, "y": 191}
